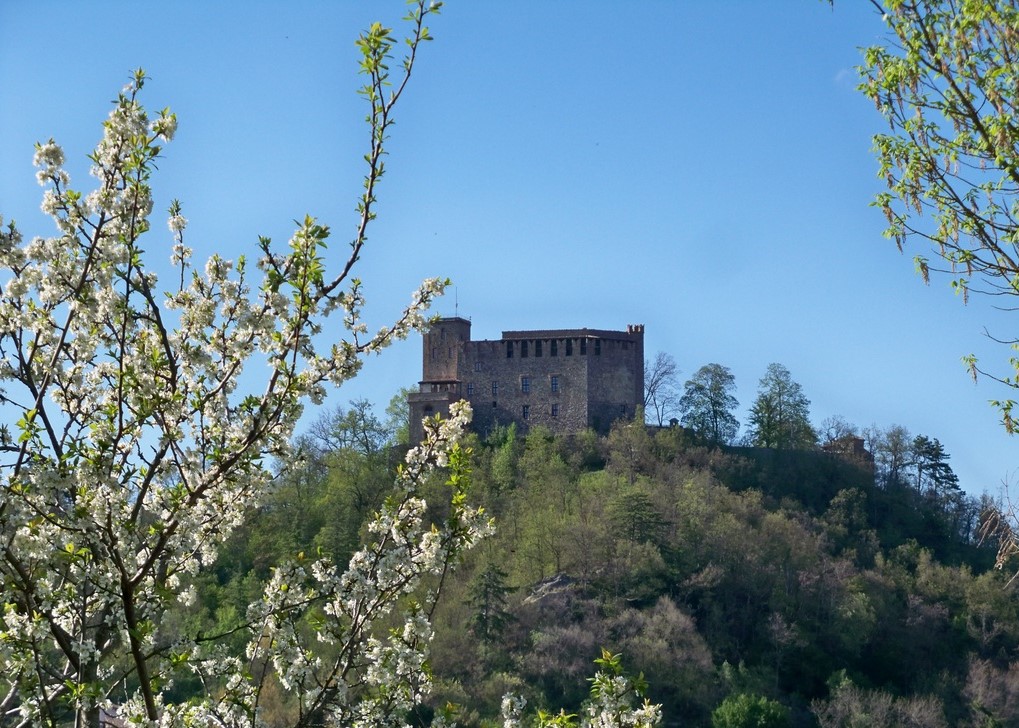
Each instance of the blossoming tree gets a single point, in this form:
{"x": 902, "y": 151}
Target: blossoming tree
{"x": 134, "y": 446}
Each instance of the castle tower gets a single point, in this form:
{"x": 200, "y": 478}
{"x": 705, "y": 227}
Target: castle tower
{"x": 444, "y": 348}
{"x": 636, "y": 332}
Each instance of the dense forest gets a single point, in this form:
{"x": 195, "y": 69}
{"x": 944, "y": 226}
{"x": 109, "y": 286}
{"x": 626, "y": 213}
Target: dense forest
{"x": 782, "y": 586}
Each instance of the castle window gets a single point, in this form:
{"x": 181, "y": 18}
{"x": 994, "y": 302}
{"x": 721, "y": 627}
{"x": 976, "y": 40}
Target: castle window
{"x": 477, "y": 366}
{"x": 555, "y": 409}
{"x": 449, "y": 352}
{"x": 554, "y": 348}
{"x": 569, "y": 347}
{"x": 597, "y": 346}
{"x": 435, "y": 352}
{"x": 525, "y": 384}
{"x": 554, "y": 383}
{"x": 526, "y": 412}
{"x": 470, "y": 388}
{"x": 622, "y": 410}
{"x": 523, "y": 349}
{"x": 583, "y": 346}
{"x": 494, "y": 404}
{"x": 509, "y": 349}
{"x": 537, "y": 347}
{"x": 442, "y": 334}
{"x": 495, "y": 389}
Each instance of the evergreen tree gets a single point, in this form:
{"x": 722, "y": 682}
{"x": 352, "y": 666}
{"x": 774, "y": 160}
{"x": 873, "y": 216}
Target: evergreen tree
{"x": 488, "y": 599}
{"x": 635, "y": 517}
{"x": 933, "y": 473}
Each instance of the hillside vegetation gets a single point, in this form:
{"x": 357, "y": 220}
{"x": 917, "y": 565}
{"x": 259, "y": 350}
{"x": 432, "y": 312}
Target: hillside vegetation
{"x": 841, "y": 592}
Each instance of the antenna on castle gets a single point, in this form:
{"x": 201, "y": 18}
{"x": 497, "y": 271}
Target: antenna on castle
{"x": 456, "y": 302}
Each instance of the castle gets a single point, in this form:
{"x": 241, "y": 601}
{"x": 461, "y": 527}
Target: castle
{"x": 564, "y": 379}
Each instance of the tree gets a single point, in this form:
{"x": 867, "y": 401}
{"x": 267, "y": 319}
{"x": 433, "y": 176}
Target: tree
{"x": 634, "y": 517}
{"x": 835, "y": 428}
{"x": 746, "y": 711}
{"x": 893, "y": 450}
{"x": 398, "y": 417}
{"x": 947, "y": 84}
{"x": 780, "y": 416}
{"x": 139, "y": 445}
{"x": 356, "y": 429}
{"x": 933, "y": 473}
{"x": 630, "y": 450}
{"x": 612, "y": 693}
{"x": 850, "y": 706}
{"x": 708, "y": 403}
{"x": 489, "y": 599}
{"x": 661, "y": 389}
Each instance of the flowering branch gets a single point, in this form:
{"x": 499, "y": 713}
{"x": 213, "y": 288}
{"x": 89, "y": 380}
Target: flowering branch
{"x": 134, "y": 450}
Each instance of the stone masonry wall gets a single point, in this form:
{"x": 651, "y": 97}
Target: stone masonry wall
{"x": 553, "y": 389}
{"x": 564, "y": 379}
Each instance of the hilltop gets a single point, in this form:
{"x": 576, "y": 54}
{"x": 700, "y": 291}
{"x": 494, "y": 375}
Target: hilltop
{"x": 796, "y": 576}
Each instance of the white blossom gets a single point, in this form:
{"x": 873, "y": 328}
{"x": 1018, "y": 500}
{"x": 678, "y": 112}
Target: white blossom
{"x": 165, "y": 127}
{"x": 176, "y": 223}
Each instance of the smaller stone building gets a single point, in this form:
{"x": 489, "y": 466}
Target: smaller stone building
{"x": 564, "y": 379}
{"x": 851, "y": 449}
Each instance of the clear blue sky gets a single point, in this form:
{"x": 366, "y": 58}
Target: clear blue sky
{"x": 702, "y": 168}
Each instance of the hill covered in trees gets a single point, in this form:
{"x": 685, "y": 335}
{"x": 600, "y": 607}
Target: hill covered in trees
{"x": 736, "y": 579}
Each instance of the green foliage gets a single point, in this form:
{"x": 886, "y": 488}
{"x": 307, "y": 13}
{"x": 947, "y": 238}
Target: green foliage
{"x": 947, "y": 84}
{"x": 780, "y": 416}
{"x": 634, "y": 517}
{"x": 708, "y": 404}
{"x": 488, "y": 598}
{"x": 793, "y": 563}
{"x": 750, "y": 711}
{"x": 630, "y": 450}
{"x": 505, "y": 457}
{"x": 933, "y": 473}
{"x": 356, "y": 428}
{"x": 398, "y": 417}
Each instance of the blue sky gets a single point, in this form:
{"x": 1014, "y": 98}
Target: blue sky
{"x": 702, "y": 168}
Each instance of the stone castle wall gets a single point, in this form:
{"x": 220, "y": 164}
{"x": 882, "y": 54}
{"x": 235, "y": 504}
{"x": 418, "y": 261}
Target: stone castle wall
{"x": 564, "y": 379}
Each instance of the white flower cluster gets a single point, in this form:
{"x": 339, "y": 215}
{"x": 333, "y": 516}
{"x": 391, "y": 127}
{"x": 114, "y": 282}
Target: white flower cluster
{"x": 134, "y": 449}
{"x": 513, "y": 711}
{"x": 611, "y": 704}
{"x": 177, "y": 223}
{"x": 49, "y": 158}
{"x": 377, "y": 676}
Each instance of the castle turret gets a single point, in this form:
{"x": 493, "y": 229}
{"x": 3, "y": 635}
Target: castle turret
{"x": 443, "y": 351}
{"x": 636, "y": 332}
